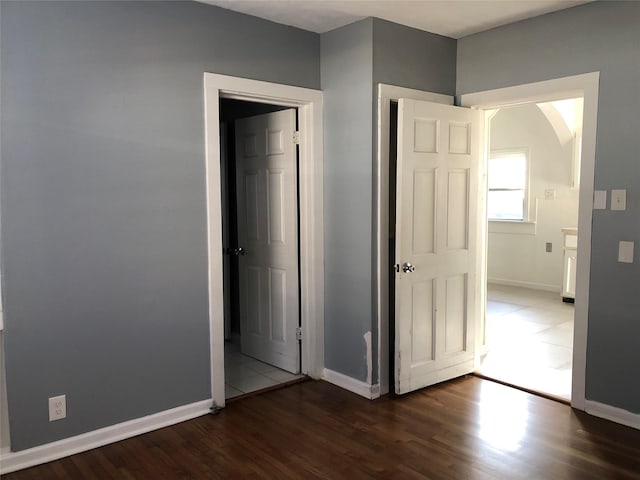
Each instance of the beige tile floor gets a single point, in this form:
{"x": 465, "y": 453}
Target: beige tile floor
{"x": 244, "y": 374}
{"x": 529, "y": 339}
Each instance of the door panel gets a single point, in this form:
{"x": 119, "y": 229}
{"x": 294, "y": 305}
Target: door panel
{"x": 424, "y": 211}
{"x": 275, "y": 206}
{"x": 251, "y": 196}
{"x": 457, "y": 209}
{"x": 436, "y": 217}
{"x": 455, "y": 314}
{"x": 423, "y": 300}
{"x": 277, "y": 304}
{"x": 266, "y": 175}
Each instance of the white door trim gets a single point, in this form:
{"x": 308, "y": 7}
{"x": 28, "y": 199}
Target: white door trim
{"x": 585, "y": 85}
{"x": 309, "y": 104}
{"x": 387, "y": 93}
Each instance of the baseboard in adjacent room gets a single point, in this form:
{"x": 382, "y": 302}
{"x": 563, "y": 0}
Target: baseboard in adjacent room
{"x": 532, "y": 285}
{"x": 12, "y": 461}
{"x": 353, "y": 385}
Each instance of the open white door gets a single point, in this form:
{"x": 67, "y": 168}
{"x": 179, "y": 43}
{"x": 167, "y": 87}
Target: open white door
{"x": 267, "y": 209}
{"x": 436, "y": 242}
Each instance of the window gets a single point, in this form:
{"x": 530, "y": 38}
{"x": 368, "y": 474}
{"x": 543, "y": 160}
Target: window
{"x": 508, "y": 185}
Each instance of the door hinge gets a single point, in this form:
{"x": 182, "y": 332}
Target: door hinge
{"x": 296, "y": 138}
{"x": 298, "y": 333}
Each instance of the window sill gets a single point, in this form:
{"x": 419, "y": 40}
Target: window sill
{"x": 513, "y": 227}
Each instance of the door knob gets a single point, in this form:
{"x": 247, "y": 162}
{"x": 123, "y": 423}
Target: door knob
{"x": 408, "y": 268}
{"x": 238, "y": 251}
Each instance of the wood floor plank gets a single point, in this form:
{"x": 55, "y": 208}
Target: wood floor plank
{"x": 468, "y": 428}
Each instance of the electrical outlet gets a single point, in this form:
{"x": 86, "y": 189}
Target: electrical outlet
{"x": 549, "y": 247}
{"x": 57, "y": 407}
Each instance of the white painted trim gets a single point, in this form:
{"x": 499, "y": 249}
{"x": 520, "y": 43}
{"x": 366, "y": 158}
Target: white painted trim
{"x": 387, "y": 93}
{"x": 532, "y": 285}
{"x": 529, "y": 212}
{"x": 309, "y": 104}
{"x": 544, "y": 91}
{"x": 615, "y": 414}
{"x": 214, "y": 246}
{"x": 349, "y": 383}
{"x": 585, "y": 85}
{"x": 513, "y": 227}
{"x": 12, "y": 461}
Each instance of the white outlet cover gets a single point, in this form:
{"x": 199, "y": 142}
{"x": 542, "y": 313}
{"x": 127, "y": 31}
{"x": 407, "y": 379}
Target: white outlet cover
{"x": 625, "y": 252}
{"x": 600, "y": 200}
{"x": 618, "y": 199}
{"x": 57, "y": 407}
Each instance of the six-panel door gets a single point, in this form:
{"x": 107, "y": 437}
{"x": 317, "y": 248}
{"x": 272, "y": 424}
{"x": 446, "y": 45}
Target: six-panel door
{"x": 436, "y": 215}
{"x": 266, "y": 181}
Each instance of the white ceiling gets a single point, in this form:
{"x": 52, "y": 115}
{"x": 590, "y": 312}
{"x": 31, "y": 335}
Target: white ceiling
{"x": 452, "y": 18}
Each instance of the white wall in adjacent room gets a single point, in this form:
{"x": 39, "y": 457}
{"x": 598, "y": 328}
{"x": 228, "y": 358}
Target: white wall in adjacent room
{"x": 516, "y": 251}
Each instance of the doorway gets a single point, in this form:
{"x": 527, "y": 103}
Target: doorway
{"x": 585, "y": 85}
{"x": 309, "y": 105}
{"x": 533, "y": 164}
{"x": 260, "y": 244}
{"x": 388, "y": 96}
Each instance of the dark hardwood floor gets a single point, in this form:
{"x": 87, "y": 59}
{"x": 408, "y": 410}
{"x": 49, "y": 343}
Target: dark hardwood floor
{"x": 465, "y": 429}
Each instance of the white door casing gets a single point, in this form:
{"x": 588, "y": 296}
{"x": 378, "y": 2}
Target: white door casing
{"x": 386, "y": 95}
{"x": 585, "y": 85}
{"x": 436, "y": 224}
{"x": 309, "y": 105}
{"x": 267, "y": 213}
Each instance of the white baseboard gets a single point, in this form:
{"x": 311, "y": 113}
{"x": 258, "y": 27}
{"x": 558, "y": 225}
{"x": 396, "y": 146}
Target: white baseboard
{"x": 349, "y": 383}
{"x": 615, "y": 414}
{"x": 533, "y": 285}
{"x": 12, "y": 461}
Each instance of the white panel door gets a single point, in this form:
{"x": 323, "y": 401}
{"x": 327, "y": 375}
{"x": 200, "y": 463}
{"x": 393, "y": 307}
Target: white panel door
{"x": 436, "y": 246}
{"x": 267, "y": 208}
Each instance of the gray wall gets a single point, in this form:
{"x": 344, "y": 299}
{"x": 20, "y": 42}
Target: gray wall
{"x": 103, "y": 200}
{"x": 346, "y": 73}
{"x": 600, "y": 36}
{"x": 407, "y": 57}
{"x": 354, "y": 59}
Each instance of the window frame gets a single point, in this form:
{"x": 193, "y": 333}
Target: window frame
{"x": 508, "y": 152}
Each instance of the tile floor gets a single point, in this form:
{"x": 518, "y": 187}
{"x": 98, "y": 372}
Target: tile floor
{"x": 529, "y": 339}
{"x": 244, "y": 374}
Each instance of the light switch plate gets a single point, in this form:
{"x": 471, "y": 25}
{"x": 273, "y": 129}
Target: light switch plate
{"x": 625, "y": 252}
{"x": 600, "y": 200}
{"x": 618, "y": 199}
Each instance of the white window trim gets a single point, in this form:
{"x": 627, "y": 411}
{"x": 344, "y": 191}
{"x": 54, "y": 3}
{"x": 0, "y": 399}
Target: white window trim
{"x": 527, "y": 212}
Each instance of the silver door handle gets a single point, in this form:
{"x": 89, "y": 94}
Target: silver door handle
{"x": 238, "y": 251}
{"x": 408, "y": 268}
